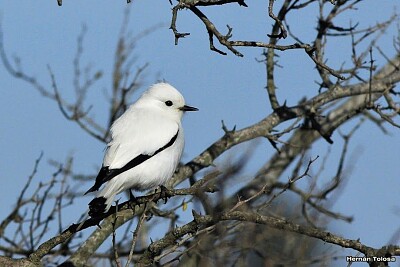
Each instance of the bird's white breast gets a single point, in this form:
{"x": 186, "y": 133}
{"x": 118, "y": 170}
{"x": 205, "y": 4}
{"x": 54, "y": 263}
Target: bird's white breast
{"x": 142, "y": 132}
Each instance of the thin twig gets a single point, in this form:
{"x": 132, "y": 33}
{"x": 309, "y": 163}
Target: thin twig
{"x": 136, "y": 233}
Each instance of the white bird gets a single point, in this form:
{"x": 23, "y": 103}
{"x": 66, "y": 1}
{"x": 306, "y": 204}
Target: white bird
{"x": 145, "y": 148}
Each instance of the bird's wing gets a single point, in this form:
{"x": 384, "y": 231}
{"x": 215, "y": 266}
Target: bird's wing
{"x": 136, "y": 137}
{"x": 138, "y": 132}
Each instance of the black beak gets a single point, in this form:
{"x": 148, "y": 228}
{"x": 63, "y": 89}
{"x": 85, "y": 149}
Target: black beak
{"x": 188, "y": 108}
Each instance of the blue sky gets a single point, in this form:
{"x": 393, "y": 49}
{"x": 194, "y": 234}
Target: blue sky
{"x": 223, "y": 88}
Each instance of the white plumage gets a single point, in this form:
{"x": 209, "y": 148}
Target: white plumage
{"x": 145, "y": 148}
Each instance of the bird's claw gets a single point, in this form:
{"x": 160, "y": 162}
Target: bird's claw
{"x": 165, "y": 193}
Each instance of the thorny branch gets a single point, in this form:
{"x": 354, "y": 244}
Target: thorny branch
{"x": 201, "y": 221}
{"x": 283, "y": 32}
{"x": 224, "y": 40}
{"x": 35, "y": 210}
{"x": 265, "y": 187}
{"x": 135, "y": 234}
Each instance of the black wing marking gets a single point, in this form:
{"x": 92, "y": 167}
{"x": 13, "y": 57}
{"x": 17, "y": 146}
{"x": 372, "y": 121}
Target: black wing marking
{"x": 106, "y": 174}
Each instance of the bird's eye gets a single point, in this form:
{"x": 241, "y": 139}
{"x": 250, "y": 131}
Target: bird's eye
{"x": 168, "y": 103}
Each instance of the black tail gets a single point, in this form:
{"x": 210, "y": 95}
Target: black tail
{"x": 97, "y": 207}
{"x": 100, "y": 179}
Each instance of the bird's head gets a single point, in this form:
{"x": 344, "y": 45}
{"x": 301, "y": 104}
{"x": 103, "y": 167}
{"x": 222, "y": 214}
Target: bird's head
{"x": 167, "y": 99}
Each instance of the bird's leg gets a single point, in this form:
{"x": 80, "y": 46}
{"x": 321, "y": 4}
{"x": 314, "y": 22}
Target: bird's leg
{"x": 132, "y": 200}
{"x": 165, "y": 193}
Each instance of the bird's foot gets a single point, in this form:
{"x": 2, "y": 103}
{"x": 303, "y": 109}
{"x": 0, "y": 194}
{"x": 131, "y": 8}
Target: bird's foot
{"x": 165, "y": 193}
